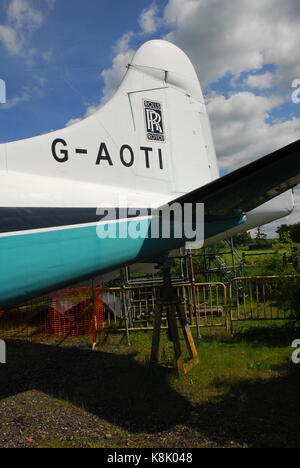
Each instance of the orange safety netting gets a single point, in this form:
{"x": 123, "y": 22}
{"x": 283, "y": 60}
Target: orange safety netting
{"x": 73, "y": 312}
{"x": 68, "y": 312}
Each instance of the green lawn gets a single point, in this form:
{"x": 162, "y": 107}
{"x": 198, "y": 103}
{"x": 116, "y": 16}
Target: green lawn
{"x": 244, "y": 393}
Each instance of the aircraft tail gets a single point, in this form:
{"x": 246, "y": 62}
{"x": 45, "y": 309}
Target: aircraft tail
{"x": 153, "y": 136}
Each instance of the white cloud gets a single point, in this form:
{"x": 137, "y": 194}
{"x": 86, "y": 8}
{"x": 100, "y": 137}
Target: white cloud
{"x": 242, "y": 134}
{"x": 148, "y": 20}
{"x": 222, "y": 37}
{"x": 22, "y": 19}
{"x": 72, "y": 122}
{"x": 25, "y": 96}
{"x": 241, "y": 129}
{"x": 262, "y": 81}
{"x": 9, "y": 38}
{"x": 122, "y": 44}
{"x": 23, "y": 16}
{"x": 112, "y": 76}
{"x": 237, "y": 35}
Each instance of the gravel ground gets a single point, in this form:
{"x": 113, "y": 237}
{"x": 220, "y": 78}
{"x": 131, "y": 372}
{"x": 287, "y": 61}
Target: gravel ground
{"x": 35, "y": 420}
{"x": 73, "y": 397}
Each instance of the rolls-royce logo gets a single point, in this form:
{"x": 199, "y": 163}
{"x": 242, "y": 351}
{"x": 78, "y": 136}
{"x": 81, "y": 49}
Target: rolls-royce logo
{"x": 154, "y": 121}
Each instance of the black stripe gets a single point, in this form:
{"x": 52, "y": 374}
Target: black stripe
{"x": 23, "y": 219}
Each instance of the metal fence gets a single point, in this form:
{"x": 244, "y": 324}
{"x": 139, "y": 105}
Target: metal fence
{"x": 207, "y": 300}
{"x": 208, "y": 304}
{"x": 83, "y": 311}
{"x": 264, "y": 298}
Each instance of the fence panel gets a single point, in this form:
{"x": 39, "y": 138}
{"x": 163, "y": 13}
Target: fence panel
{"x": 264, "y": 298}
{"x": 83, "y": 311}
{"x": 207, "y": 300}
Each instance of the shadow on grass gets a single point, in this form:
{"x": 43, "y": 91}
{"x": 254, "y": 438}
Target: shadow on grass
{"x": 260, "y": 414}
{"x": 114, "y": 387}
{"x": 277, "y": 336}
{"x": 120, "y": 390}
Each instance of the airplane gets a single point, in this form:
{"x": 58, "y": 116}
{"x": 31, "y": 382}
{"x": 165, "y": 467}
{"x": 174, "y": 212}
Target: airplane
{"x": 150, "y": 144}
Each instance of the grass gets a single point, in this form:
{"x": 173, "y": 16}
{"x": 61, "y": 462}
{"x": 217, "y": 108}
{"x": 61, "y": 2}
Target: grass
{"x": 244, "y": 393}
{"x": 245, "y": 356}
{"x": 259, "y": 262}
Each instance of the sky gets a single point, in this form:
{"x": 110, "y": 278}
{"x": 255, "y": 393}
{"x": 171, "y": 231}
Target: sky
{"x": 62, "y": 59}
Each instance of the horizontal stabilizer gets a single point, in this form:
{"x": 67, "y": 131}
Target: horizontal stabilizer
{"x": 250, "y": 186}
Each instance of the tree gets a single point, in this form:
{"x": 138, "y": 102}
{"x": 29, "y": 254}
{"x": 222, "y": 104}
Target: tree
{"x": 282, "y": 231}
{"x": 288, "y": 233}
{"x": 260, "y": 235}
{"x": 242, "y": 239}
{"x": 295, "y": 232}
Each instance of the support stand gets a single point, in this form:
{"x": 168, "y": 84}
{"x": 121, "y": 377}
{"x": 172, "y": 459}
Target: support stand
{"x": 195, "y": 299}
{"x": 126, "y": 309}
{"x": 172, "y": 307}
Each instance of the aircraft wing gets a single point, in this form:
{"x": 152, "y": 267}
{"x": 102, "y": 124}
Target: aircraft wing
{"x": 250, "y": 186}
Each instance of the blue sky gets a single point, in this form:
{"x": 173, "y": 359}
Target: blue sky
{"x": 61, "y": 59}
{"x": 57, "y": 83}
{"x": 75, "y": 42}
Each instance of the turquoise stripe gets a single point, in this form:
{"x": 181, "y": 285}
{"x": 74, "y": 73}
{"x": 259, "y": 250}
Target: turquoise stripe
{"x": 33, "y": 264}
